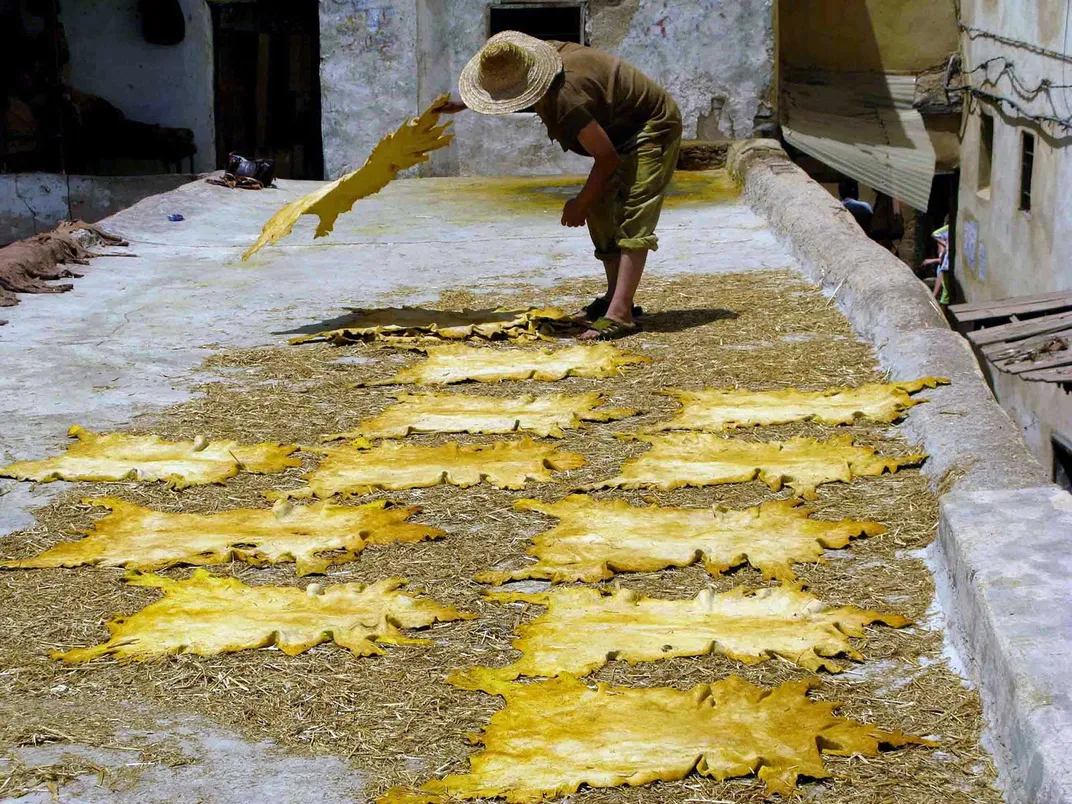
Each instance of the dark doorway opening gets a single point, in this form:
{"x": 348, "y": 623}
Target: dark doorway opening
{"x": 563, "y": 22}
{"x": 1062, "y": 462}
{"x": 268, "y": 84}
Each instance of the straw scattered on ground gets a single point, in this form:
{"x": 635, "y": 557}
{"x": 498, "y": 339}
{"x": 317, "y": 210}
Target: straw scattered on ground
{"x": 393, "y": 717}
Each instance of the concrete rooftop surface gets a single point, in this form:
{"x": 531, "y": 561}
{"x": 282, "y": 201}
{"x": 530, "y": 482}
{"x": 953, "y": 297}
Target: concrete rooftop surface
{"x": 126, "y": 338}
{"x": 130, "y": 337}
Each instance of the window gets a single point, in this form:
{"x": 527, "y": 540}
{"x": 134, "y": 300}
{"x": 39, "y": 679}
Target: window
{"x": 1062, "y": 462}
{"x": 563, "y": 22}
{"x": 986, "y": 150}
{"x": 1027, "y": 167}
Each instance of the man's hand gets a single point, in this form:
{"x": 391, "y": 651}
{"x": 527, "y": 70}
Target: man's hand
{"x": 451, "y": 106}
{"x": 574, "y": 213}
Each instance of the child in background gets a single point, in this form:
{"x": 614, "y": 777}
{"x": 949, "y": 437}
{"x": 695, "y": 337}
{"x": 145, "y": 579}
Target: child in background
{"x": 941, "y": 287}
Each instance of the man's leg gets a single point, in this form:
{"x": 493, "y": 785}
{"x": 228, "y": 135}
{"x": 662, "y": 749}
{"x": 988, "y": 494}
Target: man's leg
{"x": 630, "y": 271}
{"x": 602, "y": 226}
{"x": 611, "y": 266}
{"x": 651, "y": 168}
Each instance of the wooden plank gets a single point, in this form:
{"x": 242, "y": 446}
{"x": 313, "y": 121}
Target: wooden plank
{"x": 1006, "y": 308}
{"x": 1021, "y": 329}
{"x": 264, "y": 53}
{"x": 1052, "y": 360}
{"x": 968, "y": 307}
{"x": 1002, "y": 350}
{"x": 1063, "y": 374}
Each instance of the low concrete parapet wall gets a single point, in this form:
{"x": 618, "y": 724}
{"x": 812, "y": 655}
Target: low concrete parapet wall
{"x": 35, "y": 202}
{"x": 999, "y": 511}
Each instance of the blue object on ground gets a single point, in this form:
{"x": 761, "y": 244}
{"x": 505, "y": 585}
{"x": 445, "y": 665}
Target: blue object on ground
{"x": 175, "y": 217}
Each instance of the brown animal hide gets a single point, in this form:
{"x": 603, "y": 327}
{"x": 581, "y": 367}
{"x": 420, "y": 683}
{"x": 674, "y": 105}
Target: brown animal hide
{"x": 26, "y": 266}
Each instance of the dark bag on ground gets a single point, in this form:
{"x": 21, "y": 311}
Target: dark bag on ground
{"x": 263, "y": 170}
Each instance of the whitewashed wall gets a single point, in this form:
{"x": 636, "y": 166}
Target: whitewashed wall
{"x": 1003, "y": 250}
{"x": 166, "y": 85}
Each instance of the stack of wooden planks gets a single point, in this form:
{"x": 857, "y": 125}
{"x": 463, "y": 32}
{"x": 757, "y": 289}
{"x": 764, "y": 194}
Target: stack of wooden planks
{"x": 1030, "y": 336}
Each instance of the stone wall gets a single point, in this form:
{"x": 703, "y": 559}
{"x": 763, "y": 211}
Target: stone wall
{"x": 384, "y": 59}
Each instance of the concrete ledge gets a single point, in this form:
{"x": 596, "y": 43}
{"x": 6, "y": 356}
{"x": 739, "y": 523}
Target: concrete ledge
{"x": 973, "y": 443}
{"x": 1005, "y": 535}
{"x": 1009, "y": 559}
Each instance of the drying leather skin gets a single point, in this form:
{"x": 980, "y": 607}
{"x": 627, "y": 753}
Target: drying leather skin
{"x": 595, "y": 539}
{"x": 554, "y": 736}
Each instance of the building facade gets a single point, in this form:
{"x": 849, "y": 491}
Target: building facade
{"x": 1014, "y": 223}
{"x": 384, "y": 59}
{"x": 314, "y": 84}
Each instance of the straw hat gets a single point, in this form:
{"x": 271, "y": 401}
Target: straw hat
{"x": 511, "y": 72}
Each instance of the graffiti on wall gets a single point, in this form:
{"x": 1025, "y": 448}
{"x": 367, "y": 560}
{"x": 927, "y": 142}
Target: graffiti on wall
{"x": 368, "y": 28}
{"x": 971, "y": 242}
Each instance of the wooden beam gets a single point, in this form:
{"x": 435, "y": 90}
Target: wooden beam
{"x": 1004, "y": 350}
{"x": 1053, "y": 360}
{"x": 1021, "y": 329}
{"x": 1005, "y": 308}
{"x": 264, "y": 53}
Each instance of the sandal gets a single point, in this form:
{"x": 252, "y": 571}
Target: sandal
{"x": 598, "y": 308}
{"x": 610, "y": 330}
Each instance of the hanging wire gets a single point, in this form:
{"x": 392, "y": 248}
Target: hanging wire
{"x": 978, "y": 33}
{"x": 989, "y": 88}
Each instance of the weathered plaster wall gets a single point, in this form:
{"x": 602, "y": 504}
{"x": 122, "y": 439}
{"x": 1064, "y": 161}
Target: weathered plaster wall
{"x": 368, "y": 75}
{"x": 716, "y": 57}
{"x": 450, "y": 32}
{"x": 871, "y": 35}
{"x": 1040, "y": 409}
{"x": 167, "y": 85}
{"x": 36, "y": 202}
{"x": 1003, "y": 250}
{"x": 385, "y": 59}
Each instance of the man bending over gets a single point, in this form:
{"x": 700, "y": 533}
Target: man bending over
{"x": 594, "y": 104}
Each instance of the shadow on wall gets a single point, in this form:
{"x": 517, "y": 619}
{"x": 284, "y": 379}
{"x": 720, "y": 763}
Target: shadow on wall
{"x": 866, "y": 35}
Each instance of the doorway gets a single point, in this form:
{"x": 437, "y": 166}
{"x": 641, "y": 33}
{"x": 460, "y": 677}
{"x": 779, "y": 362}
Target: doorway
{"x": 267, "y": 65}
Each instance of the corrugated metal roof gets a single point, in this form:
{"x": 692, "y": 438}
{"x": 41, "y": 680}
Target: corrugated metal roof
{"x": 863, "y": 125}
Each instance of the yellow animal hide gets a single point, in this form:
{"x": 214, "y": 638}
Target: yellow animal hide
{"x": 407, "y": 325}
{"x": 314, "y": 537}
{"x": 698, "y": 459}
{"x": 392, "y": 465}
{"x": 597, "y": 538}
{"x": 555, "y": 736}
{"x": 117, "y": 457}
{"x": 456, "y": 363}
{"x": 208, "y": 614}
{"x": 404, "y": 148}
{"x": 545, "y": 416}
{"x": 720, "y": 410}
{"x": 583, "y": 627}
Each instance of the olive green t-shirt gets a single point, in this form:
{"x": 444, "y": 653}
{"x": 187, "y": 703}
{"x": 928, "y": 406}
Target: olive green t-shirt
{"x": 599, "y": 86}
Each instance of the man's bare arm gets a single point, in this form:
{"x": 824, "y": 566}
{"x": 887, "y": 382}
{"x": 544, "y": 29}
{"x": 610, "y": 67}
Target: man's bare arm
{"x": 595, "y": 140}
{"x": 451, "y": 106}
